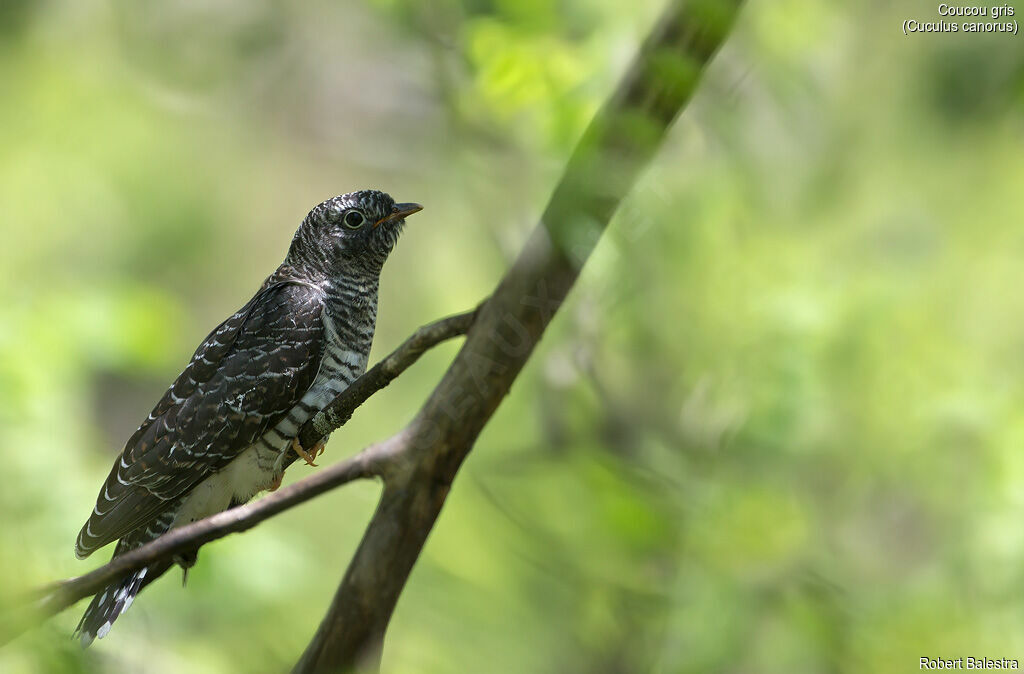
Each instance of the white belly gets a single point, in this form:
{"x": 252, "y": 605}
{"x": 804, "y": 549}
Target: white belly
{"x": 239, "y": 481}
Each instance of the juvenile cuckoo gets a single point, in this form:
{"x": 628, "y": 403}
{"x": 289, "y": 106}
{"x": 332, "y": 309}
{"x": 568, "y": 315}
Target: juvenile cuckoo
{"x": 221, "y": 432}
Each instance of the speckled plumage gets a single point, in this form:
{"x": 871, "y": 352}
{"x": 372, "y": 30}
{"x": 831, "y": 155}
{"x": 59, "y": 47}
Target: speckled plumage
{"x": 218, "y": 435}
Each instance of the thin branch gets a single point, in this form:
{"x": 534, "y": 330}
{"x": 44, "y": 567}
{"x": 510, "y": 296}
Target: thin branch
{"x": 367, "y": 463}
{"x": 337, "y": 413}
{"x": 371, "y": 462}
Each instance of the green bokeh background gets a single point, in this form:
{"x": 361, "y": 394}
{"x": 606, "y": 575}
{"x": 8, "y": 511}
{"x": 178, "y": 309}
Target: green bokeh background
{"x": 777, "y": 427}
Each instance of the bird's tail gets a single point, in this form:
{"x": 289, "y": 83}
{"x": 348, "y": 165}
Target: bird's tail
{"x": 115, "y": 598}
{"x": 107, "y": 605}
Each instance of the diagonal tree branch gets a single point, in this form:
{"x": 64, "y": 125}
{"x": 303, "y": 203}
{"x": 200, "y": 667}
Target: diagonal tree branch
{"x": 371, "y": 462}
{"x": 367, "y": 463}
{"x": 617, "y": 146}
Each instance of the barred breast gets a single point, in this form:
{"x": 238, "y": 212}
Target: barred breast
{"x": 345, "y": 355}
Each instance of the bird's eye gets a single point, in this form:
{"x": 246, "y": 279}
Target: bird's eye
{"x": 354, "y": 219}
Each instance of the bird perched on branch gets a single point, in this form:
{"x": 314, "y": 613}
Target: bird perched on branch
{"x": 222, "y": 431}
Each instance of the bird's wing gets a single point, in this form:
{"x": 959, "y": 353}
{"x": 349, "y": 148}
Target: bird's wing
{"x": 245, "y": 376}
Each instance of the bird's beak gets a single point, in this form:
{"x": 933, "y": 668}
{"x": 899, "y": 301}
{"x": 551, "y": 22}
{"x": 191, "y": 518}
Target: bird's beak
{"x": 399, "y": 212}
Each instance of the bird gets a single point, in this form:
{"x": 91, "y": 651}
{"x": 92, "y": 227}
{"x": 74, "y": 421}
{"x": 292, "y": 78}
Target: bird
{"x": 222, "y": 431}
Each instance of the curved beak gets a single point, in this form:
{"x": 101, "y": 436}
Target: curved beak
{"x": 399, "y": 212}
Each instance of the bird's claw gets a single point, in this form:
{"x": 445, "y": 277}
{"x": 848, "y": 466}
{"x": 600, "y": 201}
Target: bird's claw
{"x": 308, "y": 457}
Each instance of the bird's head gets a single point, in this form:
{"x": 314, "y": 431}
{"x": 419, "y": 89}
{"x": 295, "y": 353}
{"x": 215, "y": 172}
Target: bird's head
{"x": 351, "y": 231}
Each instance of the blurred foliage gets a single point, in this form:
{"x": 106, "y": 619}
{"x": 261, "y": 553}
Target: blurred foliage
{"x": 776, "y": 429}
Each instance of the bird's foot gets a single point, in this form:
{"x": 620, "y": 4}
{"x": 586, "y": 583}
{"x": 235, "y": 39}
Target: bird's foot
{"x": 308, "y": 457}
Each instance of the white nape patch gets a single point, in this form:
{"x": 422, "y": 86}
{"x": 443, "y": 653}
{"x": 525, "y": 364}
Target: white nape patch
{"x": 239, "y": 481}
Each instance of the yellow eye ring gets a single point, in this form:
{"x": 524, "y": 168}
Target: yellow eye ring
{"x": 354, "y": 219}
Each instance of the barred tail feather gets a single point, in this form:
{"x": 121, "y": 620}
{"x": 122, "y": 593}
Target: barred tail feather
{"x": 115, "y": 598}
{"x": 106, "y": 606}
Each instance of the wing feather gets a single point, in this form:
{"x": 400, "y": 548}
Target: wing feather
{"x": 244, "y": 377}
